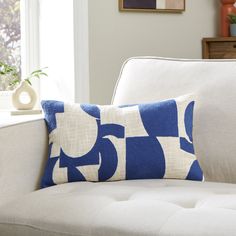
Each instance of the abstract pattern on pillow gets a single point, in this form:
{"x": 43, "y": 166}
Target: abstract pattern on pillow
{"x": 109, "y": 143}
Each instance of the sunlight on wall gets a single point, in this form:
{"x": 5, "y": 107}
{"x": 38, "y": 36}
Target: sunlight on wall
{"x": 57, "y": 49}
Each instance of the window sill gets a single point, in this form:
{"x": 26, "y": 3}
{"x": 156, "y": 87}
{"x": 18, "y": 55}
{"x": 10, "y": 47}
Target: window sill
{"x": 6, "y": 119}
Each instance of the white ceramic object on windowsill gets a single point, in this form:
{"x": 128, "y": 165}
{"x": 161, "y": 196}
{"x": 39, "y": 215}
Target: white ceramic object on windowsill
{"x": 16, "y": 97}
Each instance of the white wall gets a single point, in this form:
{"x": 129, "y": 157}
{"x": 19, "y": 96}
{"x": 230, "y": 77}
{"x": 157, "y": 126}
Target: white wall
{"x": 115, "y": 36}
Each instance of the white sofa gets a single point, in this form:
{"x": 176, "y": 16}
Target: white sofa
{"x": 138, "y": 207}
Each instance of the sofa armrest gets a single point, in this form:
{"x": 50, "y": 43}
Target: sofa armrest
{"x": 23, "y": 152}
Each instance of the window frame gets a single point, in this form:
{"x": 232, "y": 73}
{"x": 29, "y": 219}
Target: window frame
{"x": 81, "y": 48}
{"x": 30, "y": 58}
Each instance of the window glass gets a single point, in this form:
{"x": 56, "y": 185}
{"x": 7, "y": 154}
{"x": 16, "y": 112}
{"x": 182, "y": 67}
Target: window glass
{"x": 57, "y": 49}
{"x": 10, "y": 41}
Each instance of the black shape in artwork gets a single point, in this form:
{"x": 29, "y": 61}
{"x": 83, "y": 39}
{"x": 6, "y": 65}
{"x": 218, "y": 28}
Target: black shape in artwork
{"x": 139, "y": 4}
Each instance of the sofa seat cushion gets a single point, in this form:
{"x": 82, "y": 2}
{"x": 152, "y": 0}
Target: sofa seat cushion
{"x": 135, "y": 207}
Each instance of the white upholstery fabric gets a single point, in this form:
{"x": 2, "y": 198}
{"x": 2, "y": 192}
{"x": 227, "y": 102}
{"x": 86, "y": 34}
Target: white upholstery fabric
{"x": 23, "y": 152}
{"x": 132, "y": 208}
{"x": 140, "y": 207}
{"x": 213, "y": 82}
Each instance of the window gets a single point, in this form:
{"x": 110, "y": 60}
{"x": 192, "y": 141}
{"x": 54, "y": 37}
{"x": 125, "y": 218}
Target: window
{"x": 57, "y": 49}
{"x": 64, "y": 49}
{"x": 10, "y": 40}
{"x": 19, "y": 44}
{"x": 44, "y": 37}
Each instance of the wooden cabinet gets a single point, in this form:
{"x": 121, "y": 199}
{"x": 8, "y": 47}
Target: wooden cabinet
{"x": 219, "y": 48}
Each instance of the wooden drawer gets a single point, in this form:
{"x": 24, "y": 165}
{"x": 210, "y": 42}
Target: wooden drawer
{"x": 219, "y": 48}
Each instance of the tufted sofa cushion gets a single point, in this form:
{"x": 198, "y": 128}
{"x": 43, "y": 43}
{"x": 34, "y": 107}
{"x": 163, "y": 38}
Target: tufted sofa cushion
{"x": 138, "y": 207}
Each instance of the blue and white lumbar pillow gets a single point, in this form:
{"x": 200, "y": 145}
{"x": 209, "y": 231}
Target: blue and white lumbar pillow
{"x": 108, "y": 143}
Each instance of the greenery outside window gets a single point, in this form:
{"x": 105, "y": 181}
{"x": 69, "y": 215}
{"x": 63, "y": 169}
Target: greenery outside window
{"x": 10, "y": 43}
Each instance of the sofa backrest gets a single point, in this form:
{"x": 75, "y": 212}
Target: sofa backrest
{"x": 213, "y": 82}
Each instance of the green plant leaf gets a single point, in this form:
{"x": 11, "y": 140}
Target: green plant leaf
{"x": 44, "y": 74}
{"x": 27, "y": 80}
{"x": 232, "y": 18}
{"x": 14, "y": 82}
{"x": 36, "y": 71}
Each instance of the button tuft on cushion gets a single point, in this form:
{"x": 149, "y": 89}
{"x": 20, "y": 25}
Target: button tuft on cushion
{"x": 186, "y": 198}
{"x": 219, "y": 201}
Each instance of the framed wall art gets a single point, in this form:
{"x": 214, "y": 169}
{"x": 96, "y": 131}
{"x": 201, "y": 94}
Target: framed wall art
{"x": 152, "y": 5}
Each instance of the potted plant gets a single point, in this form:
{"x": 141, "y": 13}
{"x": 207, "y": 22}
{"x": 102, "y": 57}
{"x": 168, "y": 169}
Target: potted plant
{"x": 11, "y": 86}
{"x": 227, "y": 7}
{"x": 25, "y": 86}
{"x": 232, "y": 21}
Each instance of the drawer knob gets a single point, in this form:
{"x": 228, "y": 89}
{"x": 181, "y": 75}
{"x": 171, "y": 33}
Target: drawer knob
{"x": 234, "y": 46}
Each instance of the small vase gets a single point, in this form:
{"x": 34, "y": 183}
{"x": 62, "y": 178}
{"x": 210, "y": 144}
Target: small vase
{"x": 16, "y": 97}
{"x": 233, "y": 30}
